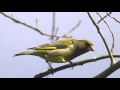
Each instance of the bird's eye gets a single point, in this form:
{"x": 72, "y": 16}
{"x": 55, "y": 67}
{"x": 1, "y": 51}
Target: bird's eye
{"x": 88, "y": 44}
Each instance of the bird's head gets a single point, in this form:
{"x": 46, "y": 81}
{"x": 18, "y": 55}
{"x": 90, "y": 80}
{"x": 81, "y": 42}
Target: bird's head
{"x": 89, "y": 45}
{"x": 85, "y": 45}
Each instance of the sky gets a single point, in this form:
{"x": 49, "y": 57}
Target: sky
{"x": 15, "y": 38}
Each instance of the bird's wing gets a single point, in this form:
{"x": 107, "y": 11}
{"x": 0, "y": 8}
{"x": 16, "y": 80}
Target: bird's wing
{"x": 60, "y": 44}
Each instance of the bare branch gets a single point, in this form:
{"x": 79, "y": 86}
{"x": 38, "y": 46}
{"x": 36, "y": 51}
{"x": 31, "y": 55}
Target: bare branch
{"x": 103, "y": 18}
{"x": 56, "y": 31}
{"x": 78, "y": 24}
{"x": 37, "y": 25}
{"x": 109, "y": 52}
{"x": 113, "y": 44}
{"x": 36, "y": 29}
{"x": 53, "y": 25}
{"x": 113, "y": 18}
{"x": 20, "y": 22}
{"x": 108, "y": 71}
{"x": 43, "y": 74}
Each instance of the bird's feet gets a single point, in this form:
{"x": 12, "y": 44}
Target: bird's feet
{"x": 51, "y": 69}
{"x": 71, "y": 65}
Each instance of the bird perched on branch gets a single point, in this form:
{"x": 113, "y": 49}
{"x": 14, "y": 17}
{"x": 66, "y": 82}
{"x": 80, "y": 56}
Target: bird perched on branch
{"x": 60, "y": 51}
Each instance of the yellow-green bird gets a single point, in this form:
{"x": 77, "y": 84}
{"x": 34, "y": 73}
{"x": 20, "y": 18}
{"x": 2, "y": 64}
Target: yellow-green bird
{"x": 60, "y": 51}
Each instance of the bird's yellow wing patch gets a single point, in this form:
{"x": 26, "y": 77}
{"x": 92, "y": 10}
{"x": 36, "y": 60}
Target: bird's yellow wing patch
{"x": 60, "y": 44}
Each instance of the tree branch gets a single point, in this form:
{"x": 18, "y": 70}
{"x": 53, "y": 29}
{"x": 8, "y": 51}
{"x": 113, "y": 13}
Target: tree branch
{"x": 53, "y": 25}
{"x": 109, "y": 52}
{"x": 103, "y": 18}
{"x": 43, "y": 74}
{"x": 113, "y": 44}
{"x": 113, "y": 18}
{"x": 108, "y": 71}
{"x": 39, "y": 31}
{"x": 36, "y": 29}
{"x": 78, "y": 24}
{"x": 37, "y": 25}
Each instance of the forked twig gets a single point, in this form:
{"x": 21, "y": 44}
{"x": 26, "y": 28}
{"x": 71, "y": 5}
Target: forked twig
{"x": 113, "y": 44}
{"x": 98, "y": 29}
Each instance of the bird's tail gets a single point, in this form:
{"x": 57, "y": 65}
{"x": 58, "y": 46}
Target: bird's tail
{"x": 23, "y": 53}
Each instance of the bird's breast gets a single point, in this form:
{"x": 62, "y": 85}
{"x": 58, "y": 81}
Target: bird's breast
{"x": 60, "y": 55}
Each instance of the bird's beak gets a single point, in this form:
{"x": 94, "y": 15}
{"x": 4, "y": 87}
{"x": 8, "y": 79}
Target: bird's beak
{"x": 91, "y": 48}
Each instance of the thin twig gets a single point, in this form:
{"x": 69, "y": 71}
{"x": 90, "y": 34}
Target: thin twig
{"x": 39, "y": 31}
{"x": 18, "y": 21}
{"x": 81, "y": 62}
{"x": 36, "y": 29}
{"x": 53, "y": 25}
{"x": 103, "y": 18}
{"x": 113, "y": 44}
{"x": 78, "y": 24}
{"x": 109, "y": 52}
{"x": 113, "y": 18}
{"x": 37, "y": 24}
{"x": 56, "y": 31}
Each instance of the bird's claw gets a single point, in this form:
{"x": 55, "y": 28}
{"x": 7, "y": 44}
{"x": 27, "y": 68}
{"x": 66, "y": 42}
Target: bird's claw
{"x": 71, "y": 65}
{"x": 51, "y": 70}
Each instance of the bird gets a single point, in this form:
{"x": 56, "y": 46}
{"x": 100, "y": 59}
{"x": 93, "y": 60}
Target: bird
{"x": 60, "y": 51}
